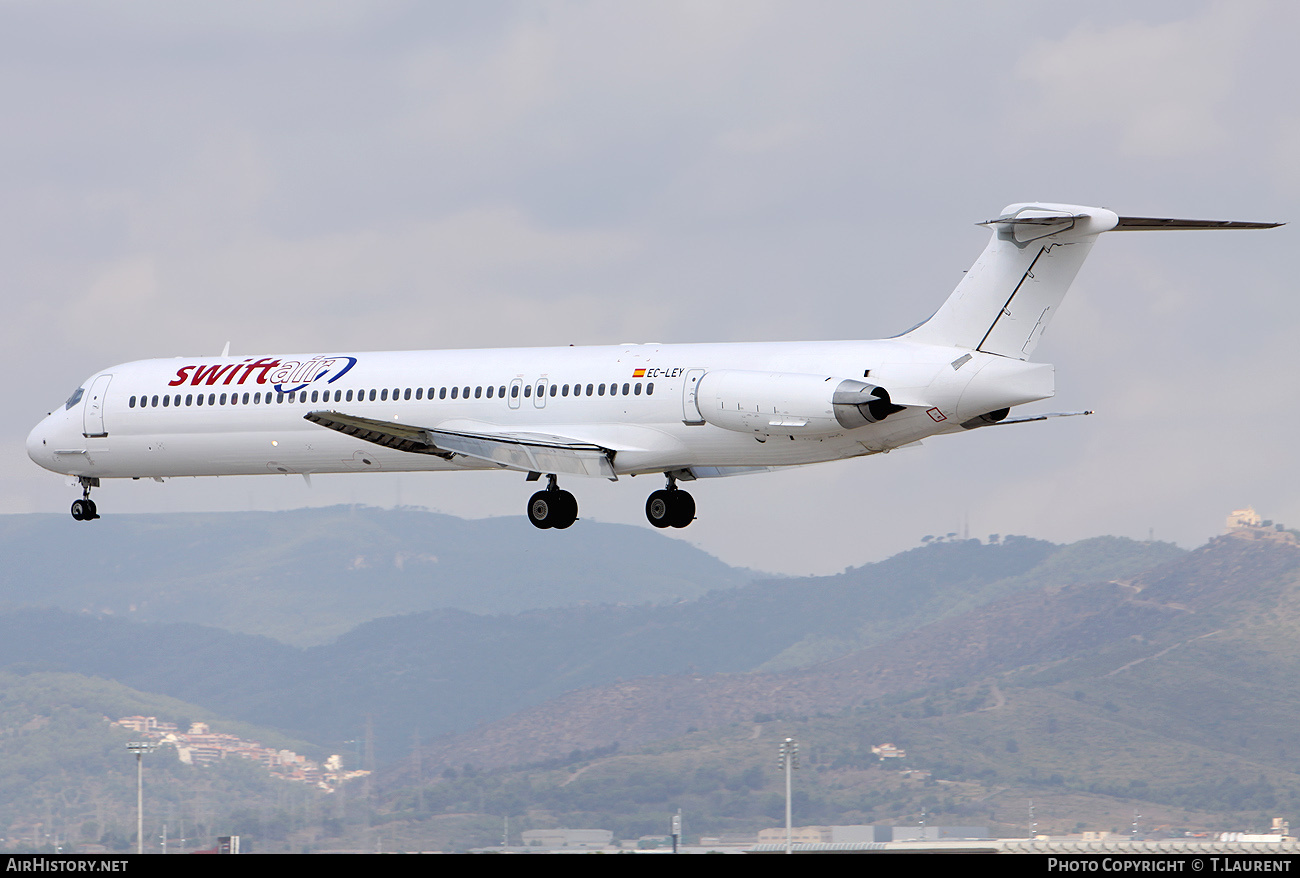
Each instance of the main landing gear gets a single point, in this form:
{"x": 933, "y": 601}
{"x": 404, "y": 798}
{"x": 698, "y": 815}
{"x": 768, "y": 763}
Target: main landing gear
{"x": 552, "y": 507}
{"x": 84, "y": 509}
{"x": 671, "y": 507}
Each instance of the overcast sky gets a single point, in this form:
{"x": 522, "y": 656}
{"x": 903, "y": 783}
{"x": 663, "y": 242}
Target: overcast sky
{"x": 321, "y": 176}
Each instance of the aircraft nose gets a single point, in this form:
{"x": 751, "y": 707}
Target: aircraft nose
{"x": 38, "y": 448}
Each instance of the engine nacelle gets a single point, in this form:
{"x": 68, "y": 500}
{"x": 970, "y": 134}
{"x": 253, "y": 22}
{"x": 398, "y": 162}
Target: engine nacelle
{"x": 790, "y": 403}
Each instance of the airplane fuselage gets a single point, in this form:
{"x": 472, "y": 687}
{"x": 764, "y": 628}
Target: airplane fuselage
{"x": 688, "y": 411}
{"x": 245, "y": 415}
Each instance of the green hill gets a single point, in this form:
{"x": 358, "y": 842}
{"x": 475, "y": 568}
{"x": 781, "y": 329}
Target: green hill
{"x": 1096, "y": 679}
{"x": 67, "y": 779}
{"x": 309, "y": 575}
{"x": 1163, "y": 694}
{"x": 447, "y": 671}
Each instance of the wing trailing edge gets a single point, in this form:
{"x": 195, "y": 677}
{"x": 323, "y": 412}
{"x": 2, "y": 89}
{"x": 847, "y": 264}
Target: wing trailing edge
{"x": 526, "y": 452}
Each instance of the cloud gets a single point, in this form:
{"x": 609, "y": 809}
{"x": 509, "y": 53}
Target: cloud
{"x": 1154, "y": 89}
{"x": 360, "y": 175}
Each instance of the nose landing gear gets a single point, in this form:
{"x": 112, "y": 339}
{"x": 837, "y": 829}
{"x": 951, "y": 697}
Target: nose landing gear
{"x": 671, "y": 507}
{"x": 84, "y": 509}
{"x": 552, "y": 507}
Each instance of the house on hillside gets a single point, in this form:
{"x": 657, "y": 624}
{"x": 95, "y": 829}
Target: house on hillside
{"x": 1243, "y": 518}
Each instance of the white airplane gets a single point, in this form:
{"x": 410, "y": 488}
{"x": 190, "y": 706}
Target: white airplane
{"x": 687, "y": 411}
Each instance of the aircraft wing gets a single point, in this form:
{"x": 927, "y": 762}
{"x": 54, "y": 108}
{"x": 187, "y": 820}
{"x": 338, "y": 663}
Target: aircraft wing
{"x": 528, "y": 452}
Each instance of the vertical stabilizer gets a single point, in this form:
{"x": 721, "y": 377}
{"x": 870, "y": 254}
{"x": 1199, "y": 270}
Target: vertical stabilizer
{"x": 1008, "y": 297}
{"x": 1011, "y": 293}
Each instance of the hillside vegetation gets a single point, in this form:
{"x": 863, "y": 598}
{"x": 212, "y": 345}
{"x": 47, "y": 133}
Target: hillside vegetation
{"x": 1096, "y": 679}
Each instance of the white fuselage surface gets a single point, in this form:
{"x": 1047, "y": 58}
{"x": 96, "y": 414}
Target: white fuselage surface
{"x": 688, "y": 411}
{"x": 246, "y": 415}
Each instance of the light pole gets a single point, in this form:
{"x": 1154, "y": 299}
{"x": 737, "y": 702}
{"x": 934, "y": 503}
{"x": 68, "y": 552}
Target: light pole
{"x": 788, "y": 760}
{"x": 139, "y": 748}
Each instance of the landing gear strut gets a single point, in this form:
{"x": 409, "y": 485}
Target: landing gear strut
{"x": 552, "y": 507}
{"x": 84, "y": 509}
{"x": 671, "y": 507}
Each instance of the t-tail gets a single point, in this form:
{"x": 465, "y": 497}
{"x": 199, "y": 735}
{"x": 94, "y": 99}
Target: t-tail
{"x": 1006, "y": 300}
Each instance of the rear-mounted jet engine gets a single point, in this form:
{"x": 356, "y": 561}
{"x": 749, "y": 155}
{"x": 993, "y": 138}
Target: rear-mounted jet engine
{"x": 790, "y": 403}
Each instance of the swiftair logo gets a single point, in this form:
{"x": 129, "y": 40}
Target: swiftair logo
{"x": 285, "y": 376}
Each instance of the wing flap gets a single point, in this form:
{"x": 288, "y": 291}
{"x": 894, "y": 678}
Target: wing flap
{"x": 403, "y": 437}
{"x": 528, "y": 452}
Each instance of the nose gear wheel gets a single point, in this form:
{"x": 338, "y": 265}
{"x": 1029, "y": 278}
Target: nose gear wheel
{"x": 84, "y": 509}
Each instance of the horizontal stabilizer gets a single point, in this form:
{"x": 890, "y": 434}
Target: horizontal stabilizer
{"x": 990, "y": 420}
{"x": 1139, "y": 223}
{"x": 1043, "y": 219}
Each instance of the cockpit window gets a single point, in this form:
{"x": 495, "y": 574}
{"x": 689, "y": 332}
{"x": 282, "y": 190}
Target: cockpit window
{"x": 74, "y": 399}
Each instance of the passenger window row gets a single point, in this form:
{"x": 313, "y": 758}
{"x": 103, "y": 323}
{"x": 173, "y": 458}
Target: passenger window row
{"x": 383, "y": 394}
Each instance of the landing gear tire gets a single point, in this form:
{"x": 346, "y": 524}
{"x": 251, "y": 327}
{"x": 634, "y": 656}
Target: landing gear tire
{"x": 566, "y": 511}
{"x": 684, "y": 511}
{"x": 670, "y": 508}
{"x": 659, "y": 509}
{"x": 540, "y": 509}
{"x": 552, "y": 508}
{"x": 84, "y": 509}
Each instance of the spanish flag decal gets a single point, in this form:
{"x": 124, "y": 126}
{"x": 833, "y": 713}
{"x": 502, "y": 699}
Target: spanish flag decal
{"x": 638, "y": 373}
